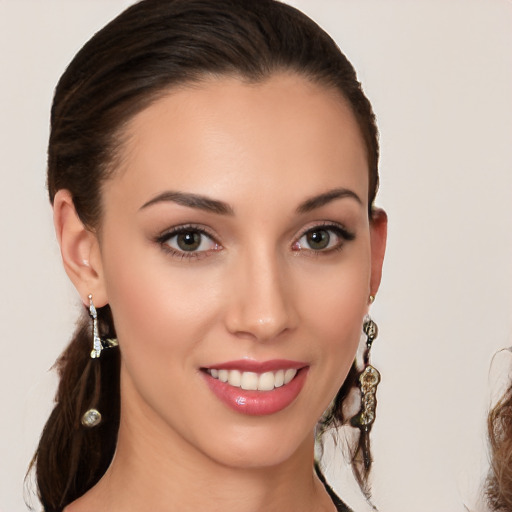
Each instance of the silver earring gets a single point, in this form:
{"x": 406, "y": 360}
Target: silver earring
{"x": 91, "y": 418}
{"x": 96, "y": 340}
{"x": 97, "y": 343}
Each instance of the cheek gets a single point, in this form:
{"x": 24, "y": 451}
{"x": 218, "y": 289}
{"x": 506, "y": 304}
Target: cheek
{"x": 337, "y": 298}
{"x": 161, "y": 315}
{"x": 156, "y": 305}
{"x": 335, "y": 301}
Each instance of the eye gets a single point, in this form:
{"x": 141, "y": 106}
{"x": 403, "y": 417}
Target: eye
{"x": 188, "y": 241}
{"x": 318, "y": 239}
{"x": 324, "y": 238}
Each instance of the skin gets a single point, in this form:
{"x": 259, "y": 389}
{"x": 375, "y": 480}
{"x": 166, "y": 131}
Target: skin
{"x": 256, "y": 289}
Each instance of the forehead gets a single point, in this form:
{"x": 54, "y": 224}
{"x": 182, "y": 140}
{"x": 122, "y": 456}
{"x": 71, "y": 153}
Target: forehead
{"x": 283, "y": 132}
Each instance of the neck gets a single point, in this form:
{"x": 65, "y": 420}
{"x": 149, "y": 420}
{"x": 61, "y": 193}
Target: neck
{"x": 149, "y": 480}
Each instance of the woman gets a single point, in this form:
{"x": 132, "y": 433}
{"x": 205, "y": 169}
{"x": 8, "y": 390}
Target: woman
{"x": 212, "y": 169}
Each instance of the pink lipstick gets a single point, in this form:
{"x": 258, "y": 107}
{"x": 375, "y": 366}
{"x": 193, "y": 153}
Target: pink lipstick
{"x": 254, "y": 387}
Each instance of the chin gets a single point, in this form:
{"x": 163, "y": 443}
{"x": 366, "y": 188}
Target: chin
{"x": 259, "y": 447}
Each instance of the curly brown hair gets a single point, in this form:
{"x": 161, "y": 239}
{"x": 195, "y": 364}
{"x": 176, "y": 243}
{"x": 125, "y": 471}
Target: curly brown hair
{"x": 499, "y": 481}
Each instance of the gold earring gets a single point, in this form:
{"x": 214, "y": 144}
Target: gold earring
{"x": 369, "y": 379}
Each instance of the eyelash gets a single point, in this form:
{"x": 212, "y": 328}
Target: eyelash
{"x": 340, "y": 231}
{"x": 163, "y": 240}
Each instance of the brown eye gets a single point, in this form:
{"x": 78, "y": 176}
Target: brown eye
{"x": 323, "y": 238}
{"x": 318, "y": 239}
{"x": 189, "y": 240}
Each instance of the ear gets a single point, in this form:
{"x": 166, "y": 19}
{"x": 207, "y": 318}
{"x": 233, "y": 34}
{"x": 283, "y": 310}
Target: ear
{"x": 378, "y": 236}
{"x": 80, "y": 250}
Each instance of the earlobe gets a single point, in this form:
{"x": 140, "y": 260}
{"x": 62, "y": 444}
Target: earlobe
{"x": 378, "y": 234}
{"x": 79, "y": 250}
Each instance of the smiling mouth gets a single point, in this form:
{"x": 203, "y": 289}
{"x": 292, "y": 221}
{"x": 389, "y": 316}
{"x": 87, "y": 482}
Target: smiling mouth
{"x": 252, "y": 381}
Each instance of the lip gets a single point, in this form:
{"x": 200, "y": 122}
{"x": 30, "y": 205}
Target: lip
{"x": 250, "y": 365}
{"x": 257, "y": 403}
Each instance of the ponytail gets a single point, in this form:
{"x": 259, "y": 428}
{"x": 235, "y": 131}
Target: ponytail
{"x": 71, "y": 458}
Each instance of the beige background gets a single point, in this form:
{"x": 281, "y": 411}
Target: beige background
{"x": 439, "y": 74}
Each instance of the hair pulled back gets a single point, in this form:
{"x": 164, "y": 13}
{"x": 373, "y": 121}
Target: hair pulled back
{"x": 147, "y": 50}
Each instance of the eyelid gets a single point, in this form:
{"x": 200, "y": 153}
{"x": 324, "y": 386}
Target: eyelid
{"x": 339, "y": 229}
{"x": 326, "y": 224}
{"x": 188, "y": 226}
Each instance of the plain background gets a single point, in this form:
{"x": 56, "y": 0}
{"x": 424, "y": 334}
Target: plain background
{"x": 439, "y": 74}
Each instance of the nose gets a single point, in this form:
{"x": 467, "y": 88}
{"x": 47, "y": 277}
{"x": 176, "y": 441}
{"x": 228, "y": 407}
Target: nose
{"x": 262, "y": 305}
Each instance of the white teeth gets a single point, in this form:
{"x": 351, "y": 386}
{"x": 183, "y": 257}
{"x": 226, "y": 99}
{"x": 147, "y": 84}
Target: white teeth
{"x": 252, "y": 381}
{"x": 234, "y": 378}
{"x": 279, "y": 379}
{"x": 289, "y": 374}
{"x": 266, "y": 381}
{"x": 249, "y": 381}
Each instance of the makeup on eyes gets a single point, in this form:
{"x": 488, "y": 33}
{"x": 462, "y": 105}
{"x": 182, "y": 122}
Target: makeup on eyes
{"x": 320, "y": 240}
{"x": 186, "y": 240}
{"x": 194, "y": 241}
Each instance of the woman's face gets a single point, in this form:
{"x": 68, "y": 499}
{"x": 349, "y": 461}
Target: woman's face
{"x": 235, "y": 244}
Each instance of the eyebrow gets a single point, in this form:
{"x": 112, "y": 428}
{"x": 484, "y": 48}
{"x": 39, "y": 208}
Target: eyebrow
{"x": 322, "y": 199}
{"x": 221, "y": 208}
{"x": 191, "y": 201}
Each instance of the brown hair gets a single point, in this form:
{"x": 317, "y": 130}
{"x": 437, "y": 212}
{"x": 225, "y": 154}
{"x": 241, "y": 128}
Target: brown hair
{"x": 148, "y": 49}
{"x": 499, "y": 482}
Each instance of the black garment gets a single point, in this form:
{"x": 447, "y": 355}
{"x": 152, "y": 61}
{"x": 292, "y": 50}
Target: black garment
{"x": 340, "y": 506}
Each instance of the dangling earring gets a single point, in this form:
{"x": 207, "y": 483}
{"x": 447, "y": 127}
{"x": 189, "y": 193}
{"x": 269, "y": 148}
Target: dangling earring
{"x": 369, "y": 378}
{"x": 96, "y": 341}
{"x": 92, "y": 417}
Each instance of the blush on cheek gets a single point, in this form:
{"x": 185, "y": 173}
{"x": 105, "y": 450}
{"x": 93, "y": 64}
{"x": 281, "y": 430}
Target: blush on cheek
{"x": 158, "y": 299}
{"x": 341, "y": 308}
